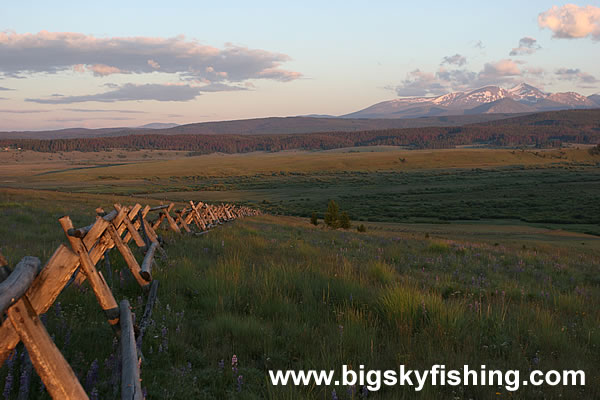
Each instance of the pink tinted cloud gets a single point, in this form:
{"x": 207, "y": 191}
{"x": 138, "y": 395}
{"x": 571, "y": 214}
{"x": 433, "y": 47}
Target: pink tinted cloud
{"x": 571, "y": 21}
{"x": 50, "y": 52}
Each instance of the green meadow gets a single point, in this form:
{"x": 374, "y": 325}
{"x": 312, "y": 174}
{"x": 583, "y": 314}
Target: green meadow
{"x": 494, "y": 263}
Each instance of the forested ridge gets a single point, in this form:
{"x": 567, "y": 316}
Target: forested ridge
{"x": 539, "y": 130}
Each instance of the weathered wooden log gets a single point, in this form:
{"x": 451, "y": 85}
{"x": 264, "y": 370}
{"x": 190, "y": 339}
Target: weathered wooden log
{"x": 170, "y": 220}
{"x": 130, "y": 373}
{"x": 132, "y": 231}
{"x": 147, "y": 317}
{"x": 125, "y": 251}
{"x": 82, "y": 232}
{"x": 159, "y": 220}
{"x": 147, "y": 232}
{"x": 146, "y": 270}
{"x": 182, "y": 222}
{"x": 131, "y": 214}
{"x": 161, "y": 207}
{"x": 95, "y": 278}
{"x": 18, "y": 281}
{"x": 49, "y": 363}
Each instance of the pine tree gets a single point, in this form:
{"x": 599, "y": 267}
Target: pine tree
{"x": 313, "y": 219}
{"x": 344, "y": 221}
{"x": 331, "y": 216}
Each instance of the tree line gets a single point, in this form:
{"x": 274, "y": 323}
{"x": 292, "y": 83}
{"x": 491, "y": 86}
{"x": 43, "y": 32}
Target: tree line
{"x": 501, "y": 135}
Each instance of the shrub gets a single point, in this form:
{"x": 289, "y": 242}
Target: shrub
{"x": 313, "y": 219}
{"x": 361, "y": 228}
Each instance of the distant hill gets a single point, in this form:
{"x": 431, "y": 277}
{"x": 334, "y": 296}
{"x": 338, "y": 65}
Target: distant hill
{"x": 263, "y": 126}
{"x": 158, "y": 125}
{"x": 540, "y": 130}
{"x": 522, "y": 98}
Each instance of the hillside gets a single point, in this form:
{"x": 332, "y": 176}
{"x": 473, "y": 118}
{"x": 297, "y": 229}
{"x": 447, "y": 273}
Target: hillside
{"x": 541, "y": 130}
{"x": 260, "y": 126}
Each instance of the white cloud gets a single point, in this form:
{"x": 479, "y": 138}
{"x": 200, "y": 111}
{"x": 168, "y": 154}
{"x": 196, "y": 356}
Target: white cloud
{"x": 583, "y": 79}
{"x": 10, "y": 111}
{"x": 104, "y": 70}
{"x": 133, "y": 92}
{"x": 456, "y": 59}
{"x": 419, "y": 83}
{"x": 423, "y": 83}
{"x": 51, "y": 52}
{"x": 527, "y": 45}
{"x": 86, "y": 110}
{"x": 571, "y": 21}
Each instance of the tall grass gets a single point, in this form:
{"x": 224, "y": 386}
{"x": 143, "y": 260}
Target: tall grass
{"x": 280, "y": 294}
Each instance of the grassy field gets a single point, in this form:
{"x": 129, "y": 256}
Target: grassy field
{"x": 551, "y": 188}
{"x": 471, "y": 256}
{"x": 281, "y": 294}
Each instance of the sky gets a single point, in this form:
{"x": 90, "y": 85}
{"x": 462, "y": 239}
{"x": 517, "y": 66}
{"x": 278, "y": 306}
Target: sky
{"x": 128, "y": 63}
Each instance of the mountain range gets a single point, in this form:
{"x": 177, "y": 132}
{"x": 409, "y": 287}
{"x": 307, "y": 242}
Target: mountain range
{"x": 487, "y": 104}
{"x": 522, "y": 98}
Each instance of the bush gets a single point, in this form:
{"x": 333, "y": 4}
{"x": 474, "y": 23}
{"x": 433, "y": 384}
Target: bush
{"x": 361, "y": 228}
{"x": 313, "y": 219}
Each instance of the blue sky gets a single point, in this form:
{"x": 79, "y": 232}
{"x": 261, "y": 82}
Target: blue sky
{"x": 256, "y": 59}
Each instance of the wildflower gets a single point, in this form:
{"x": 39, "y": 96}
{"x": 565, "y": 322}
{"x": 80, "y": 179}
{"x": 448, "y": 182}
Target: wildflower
{"x": 234, "y": 364}
{"x": 8, "y": 384}
{"x": 221, "y": 365}
{"x": 334, "y": 395}
{"x": 364, "y": 392}
{"x": 165, "y": 340}
{"x": 351, "y": 390}
{"x": 24, "y": 382}
{"x": 92, "y": 376}
{"x": 240, "y": 382}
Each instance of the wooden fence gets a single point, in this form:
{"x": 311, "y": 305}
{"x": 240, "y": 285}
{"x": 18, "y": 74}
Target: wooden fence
{"x": 29, "y": 290}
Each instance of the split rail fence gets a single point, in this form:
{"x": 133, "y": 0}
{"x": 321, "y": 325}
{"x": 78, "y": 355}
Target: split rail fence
{"x": 29, "y": 290}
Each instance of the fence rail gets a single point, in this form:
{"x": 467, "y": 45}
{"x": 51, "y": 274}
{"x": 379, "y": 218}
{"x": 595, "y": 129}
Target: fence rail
{"x": 29, "y": 290}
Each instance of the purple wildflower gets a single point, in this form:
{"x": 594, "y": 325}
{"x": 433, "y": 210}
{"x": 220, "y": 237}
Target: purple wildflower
{"x": 165, "y": 340}
{"x": 364, "y": 392}
{"x": 240, "y": 382}
{"x": 351, "y": 390}
{"x": 8, "y": 385}
{"x": 334, "y": 395}
{"x": 92, "y": 376}
{"x": 25, "y": 380}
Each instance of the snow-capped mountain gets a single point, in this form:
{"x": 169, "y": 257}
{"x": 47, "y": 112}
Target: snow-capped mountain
{"x": 525, "y": 93}
{"x": 572, "y": 99}
{"x": 522, "y": 98}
